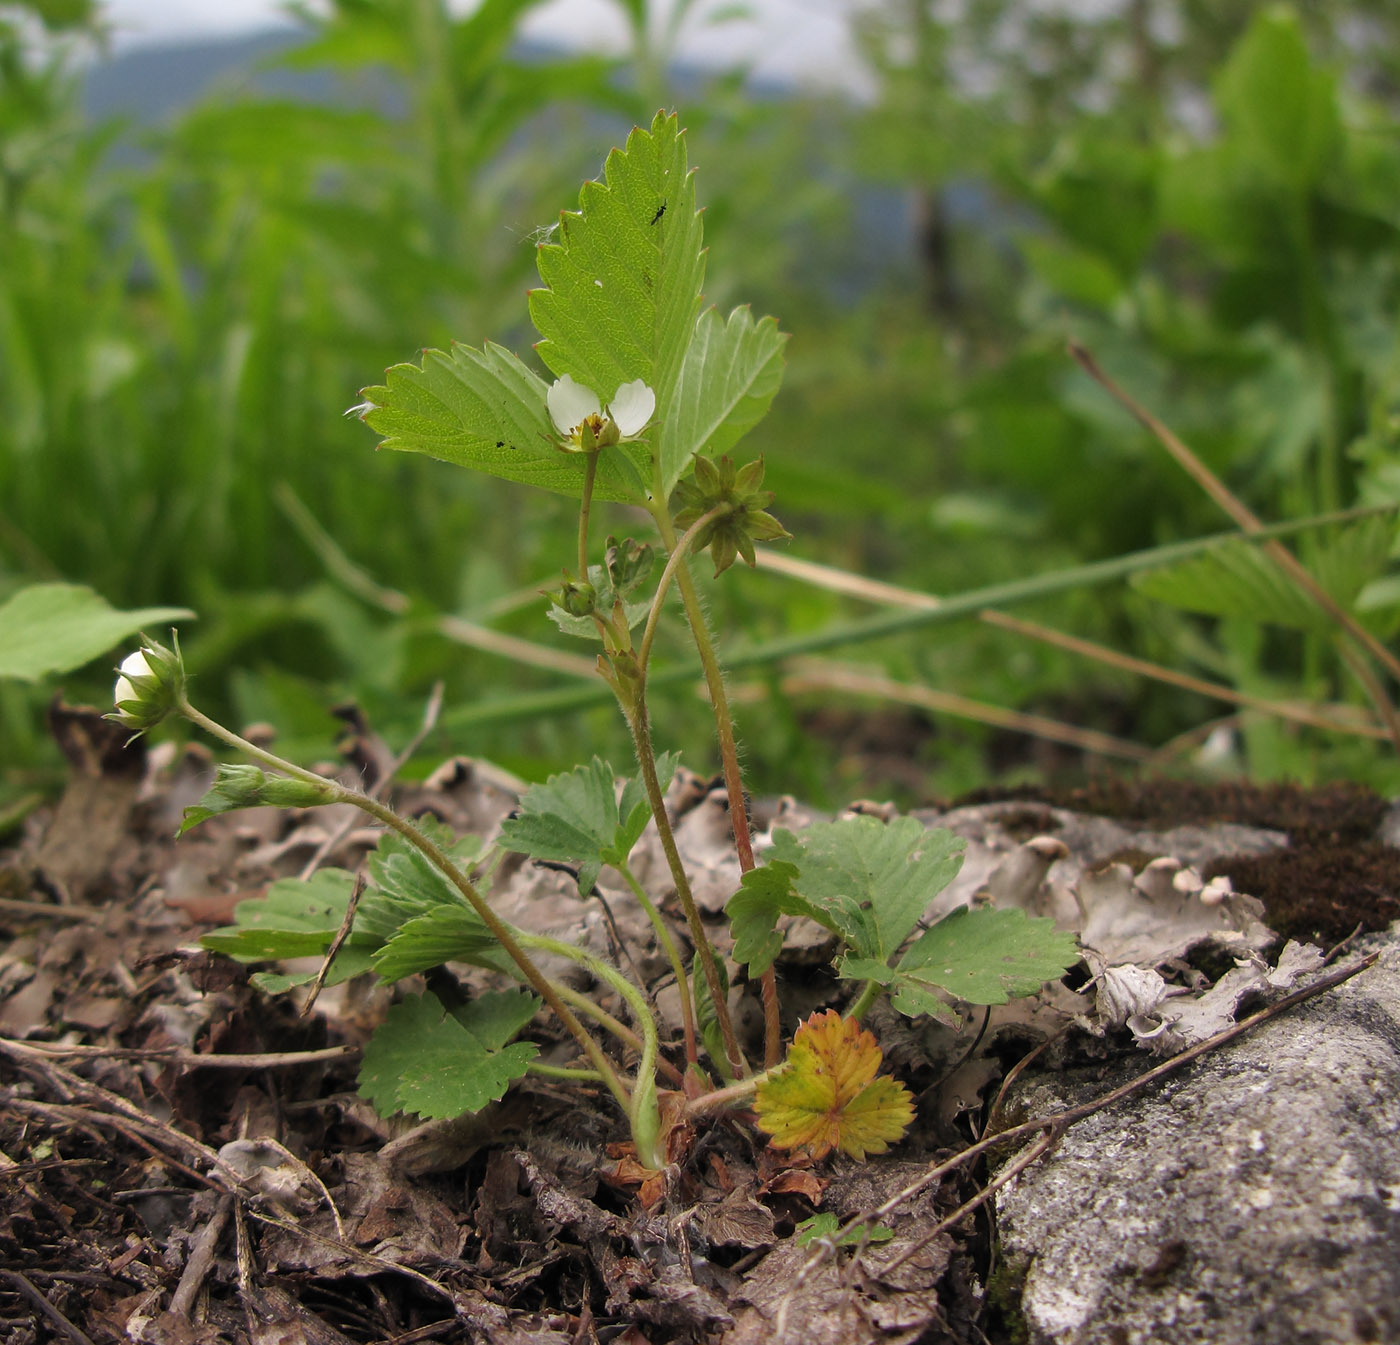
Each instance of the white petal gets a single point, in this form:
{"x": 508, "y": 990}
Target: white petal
{"x": 632, "y": 406}
{"x": 569, "y": 404}
{"x": 133, "y": 665}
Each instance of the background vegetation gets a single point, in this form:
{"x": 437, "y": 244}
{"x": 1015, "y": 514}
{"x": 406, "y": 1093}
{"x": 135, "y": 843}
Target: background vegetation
{"x": 1206, "y": 193}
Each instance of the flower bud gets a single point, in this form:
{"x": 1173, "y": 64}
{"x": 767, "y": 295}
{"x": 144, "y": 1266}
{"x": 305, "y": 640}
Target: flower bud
{"x": 148, "y": 684}
{"x": 576, "y": 598}
{"x": 239, "y": 785}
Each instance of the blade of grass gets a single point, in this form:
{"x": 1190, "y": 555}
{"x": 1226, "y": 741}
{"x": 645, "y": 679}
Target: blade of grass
{"x": 565, "y": 700}
{"x": 1251, "y": 525}
{"x": 359, "y": 582}
{"x": 816, "y": 675}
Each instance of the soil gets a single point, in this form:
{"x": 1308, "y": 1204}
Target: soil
{"x": 168, "y": 1174}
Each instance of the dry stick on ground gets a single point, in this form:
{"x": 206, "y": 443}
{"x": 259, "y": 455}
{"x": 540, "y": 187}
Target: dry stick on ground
{"x": 1053, "y": 1126}
{"x": 180, "y": 1055}
{"x": 54, "y": 1316}
{"x": 1249, "y": 522}
{"x": 201, "y": 1260}
{"x": 818, "y": 675}
{"x": 874, "y": 590}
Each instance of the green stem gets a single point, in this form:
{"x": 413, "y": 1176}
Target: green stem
{"x": 679, "y": 551}
{"x": 868, "y": 995}
{"x": 673, "y": 955}
{"x": 646, "y": 762}
{"x": 644, "y": 1089}
{"x": 618, "y": 1029}
{"x": 729, "y": 762}
{"x": 563, "y": 1072}
{"x": 441, "y": 861}
{"x": 590, "y": 472}
{"x": 718, "y": 1098}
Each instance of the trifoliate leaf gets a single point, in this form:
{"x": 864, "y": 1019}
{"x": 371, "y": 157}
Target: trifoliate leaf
{"x": 981, "y": 956}
{"x": 731, "y": 374}
{"x": 577, "y": 817}
{"x": 823, "y": 1227}
{"x": 434, "y": 1064}
{"x": 54, "y": 628}
{"x": 874, "y": 880}
{"x": 828, "y": 1097}
{"x": 624, "y": 273}
{"x": 764, "y": 894}
{"x": 486, "y": 410}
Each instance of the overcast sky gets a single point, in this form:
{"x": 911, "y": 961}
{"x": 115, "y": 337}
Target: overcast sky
{"x": 787, "y": 39}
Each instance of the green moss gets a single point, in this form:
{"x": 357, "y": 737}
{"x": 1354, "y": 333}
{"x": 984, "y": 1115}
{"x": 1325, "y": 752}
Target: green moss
{"x": 1005, "y": 1320}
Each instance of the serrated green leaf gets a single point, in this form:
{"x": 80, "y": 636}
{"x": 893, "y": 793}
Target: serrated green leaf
{"x": 350, "y": 961}
{"x": 54, "y": 628}
{"x": 295, "y": 918}
{"x": 486, "y": 410}
{"x": 823, "y": 1227}
{"x": 874, "y": 880}
{"x": 1232, "y": 580}
{"x": 449, "y": 933}
{"x": 436, "y": 1065}
{"x": 575, "y": 817}
{"x": 730, "y": 375}
{"x": 764, "y": 894}
{"x": 1237, "y": 579}
{"x": 711, "y": 1035}
{"x": 623, "y": 278}
{"x": 405, "y": 884}
{"x": 981, "y": 956}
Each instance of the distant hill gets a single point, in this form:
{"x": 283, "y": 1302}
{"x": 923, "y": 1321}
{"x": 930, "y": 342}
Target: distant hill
{"x": 148, "y": 84}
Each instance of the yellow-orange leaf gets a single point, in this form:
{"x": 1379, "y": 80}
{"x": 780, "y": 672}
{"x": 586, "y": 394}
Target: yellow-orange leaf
{"x": 827, "y": 1096}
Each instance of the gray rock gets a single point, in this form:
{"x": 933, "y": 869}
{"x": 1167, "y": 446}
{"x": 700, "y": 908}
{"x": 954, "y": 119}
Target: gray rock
{"x": 1254, "y": 1197}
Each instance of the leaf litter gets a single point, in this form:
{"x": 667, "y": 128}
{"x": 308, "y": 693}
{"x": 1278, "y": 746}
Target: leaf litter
{"x": 183, "y": 1159}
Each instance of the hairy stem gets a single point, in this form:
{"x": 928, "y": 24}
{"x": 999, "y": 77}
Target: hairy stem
{"x": 441, "y": 861}
{"x": 646, "y": 761}
{"x": 729, "y": 761}
{"x": 590, "y": 472}
{"x": 644, "y": 1089}
{"x": 868, "y": 995}
{"x": 673, "y": 955}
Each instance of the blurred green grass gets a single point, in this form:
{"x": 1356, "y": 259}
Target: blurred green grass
{"x": 182, "y": 327}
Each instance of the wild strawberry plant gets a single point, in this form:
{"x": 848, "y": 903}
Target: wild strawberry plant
{"x": 651, "y": 392}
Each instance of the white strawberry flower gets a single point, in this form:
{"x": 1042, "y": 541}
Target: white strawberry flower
{"x": 584, "y": 424}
